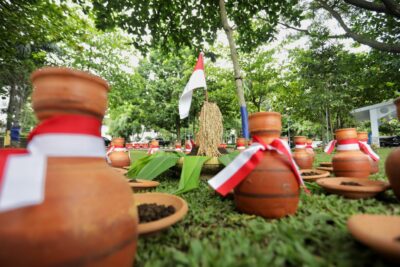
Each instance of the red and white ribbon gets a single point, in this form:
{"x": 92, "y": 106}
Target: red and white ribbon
{"x": 153, "y": 149}
{"x": 188, "y": 147}
{"x": 23, "y": 172}
{"x": 115, "y": 148}
{"x": 309, "y": 146}
{"x": 178, "y": 148}
{"x": 300, "y": 145}
{"x": 351, "y": 144}
{"x": 245, "y": 162}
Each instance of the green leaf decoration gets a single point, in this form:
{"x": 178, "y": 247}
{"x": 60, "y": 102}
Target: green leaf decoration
{"x": 190, "y": 176}
{"x": 138, "y": 165}
{"x": 157, "y": 166}
{"x": 228, "y": 158}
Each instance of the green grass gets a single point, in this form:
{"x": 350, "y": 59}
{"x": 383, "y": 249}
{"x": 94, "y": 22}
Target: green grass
{"x": 214, "y": 234}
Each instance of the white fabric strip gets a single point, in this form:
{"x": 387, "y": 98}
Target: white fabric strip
{"x": 197, "y": 80}
{"x": 67, "y": 145}
{"x": 25, "y": 175}
{"x": 22, "y": 186}
{"x": 300, "y": 146}
{"x": 348, "y": 147}
{"x": 234, "y": 166}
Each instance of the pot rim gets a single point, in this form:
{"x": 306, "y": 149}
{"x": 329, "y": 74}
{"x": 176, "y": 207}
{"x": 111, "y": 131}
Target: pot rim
{"x": 69, "y": 72}
{"x": 346, "y": 129}
{"x": 263, "y": 113}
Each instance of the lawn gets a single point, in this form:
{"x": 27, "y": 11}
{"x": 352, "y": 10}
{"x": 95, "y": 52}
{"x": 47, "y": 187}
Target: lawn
{"x": 214, "y": 234}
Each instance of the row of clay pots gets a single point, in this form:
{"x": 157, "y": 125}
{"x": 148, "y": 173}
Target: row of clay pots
{"x": 87, "y": 217}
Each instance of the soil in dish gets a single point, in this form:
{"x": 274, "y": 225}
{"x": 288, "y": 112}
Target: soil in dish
{"x": 311, "y": 173}
{"x": 350, "y": 183}
{"x": 149, "y": 212}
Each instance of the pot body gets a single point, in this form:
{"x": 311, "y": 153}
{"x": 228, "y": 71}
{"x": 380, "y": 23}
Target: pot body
{"x": 119, "y": 159}
{"x": 271, "y": 189}
{"x": 393, "y": 171}
{"x": 87, "y": 219}
{"x": 310, "y": 150}
{"x": 350, "y": 163}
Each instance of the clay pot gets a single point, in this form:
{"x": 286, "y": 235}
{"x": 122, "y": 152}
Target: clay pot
{"x": 363, "y": 137}
{"x": 118, "y": 142}
{"x": 64, "y": 91}
{"x": 154, "y": 143}
{"x": 240, "y": 143}
{"x": 120, "y": 157}
{"x": 350, "y": 163}
{"x": 302, "y": 158}
{"x": 271, "y": 189}
{"x": 87, "y": 217}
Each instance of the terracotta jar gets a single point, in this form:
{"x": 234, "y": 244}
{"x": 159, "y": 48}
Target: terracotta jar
{"x": 349, "y": 161}
{"x": 87, "y": 217}
{"x": 271, "y": 189}
{"x": 119, "y": 157}
{"x": 309, "y": 148}
{"x": 363, "y": 137}
{"x": 393, "y": 162}
{"x": 241, "y": 143}
{"x": 302, "y": 158}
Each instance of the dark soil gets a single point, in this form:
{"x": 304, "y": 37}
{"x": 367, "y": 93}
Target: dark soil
{"x": 310, "y": 173}
{"x": 153, "y": 212}
{"x": 350, "y": 183}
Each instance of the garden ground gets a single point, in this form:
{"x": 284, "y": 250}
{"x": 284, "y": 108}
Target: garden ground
{"x": 214, "y": 234}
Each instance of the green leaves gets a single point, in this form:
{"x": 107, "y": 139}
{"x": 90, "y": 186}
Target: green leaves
{"x": 227, "y": 158}
{"x": 149, "y": 167}
{"x": 190, "y": 175}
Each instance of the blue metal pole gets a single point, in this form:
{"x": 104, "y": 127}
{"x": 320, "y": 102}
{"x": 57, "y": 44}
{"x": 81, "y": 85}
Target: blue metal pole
{"x": 245, "y": 122}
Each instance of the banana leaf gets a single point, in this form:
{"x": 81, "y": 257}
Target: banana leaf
{"x": 190, "y": 176}
{"x": 228, "y": 158}
{"x": 157, "y": 166}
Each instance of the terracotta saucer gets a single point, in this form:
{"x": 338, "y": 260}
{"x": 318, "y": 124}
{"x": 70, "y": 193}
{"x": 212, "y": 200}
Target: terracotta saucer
{"x": 180, "y": 205}
{"x": 141, "y": 185}
{"x": 325, "y": 164}
{"x": 121, "y": 170}
{"x": 329, "y": 169}
{"x": 313, "y": 178}
{"x": 380, "y": 232}
{"x": 367, "y": 189}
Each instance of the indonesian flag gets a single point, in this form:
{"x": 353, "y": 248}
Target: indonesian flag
{"x": 197, "y": 80}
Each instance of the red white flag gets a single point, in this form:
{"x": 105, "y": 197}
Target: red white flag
{"x": 197, "y": 80}
{"x": 23, "y": 172}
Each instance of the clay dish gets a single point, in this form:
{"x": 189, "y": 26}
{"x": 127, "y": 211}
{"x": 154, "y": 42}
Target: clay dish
{"x": 379, "y": 232}
{"x": 180, "y": 205}
{"x": 313, "y": 178}
{"x": 329, "y": 169}
{"x": 325, "y": 164}
{"x": 142, "y": 185}
{"x": 367, "y": 189}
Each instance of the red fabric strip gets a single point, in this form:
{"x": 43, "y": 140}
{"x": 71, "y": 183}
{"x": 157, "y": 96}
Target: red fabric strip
{"x": 200, "y": 63}
{"x": 347, "y": 142}
{"x": 4, "y": 154}
{"x": 68, "y": 124}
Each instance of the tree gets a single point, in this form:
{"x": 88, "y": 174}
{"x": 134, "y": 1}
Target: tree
{"x": 372, "y": 23}
{"x": 173, "y": 24}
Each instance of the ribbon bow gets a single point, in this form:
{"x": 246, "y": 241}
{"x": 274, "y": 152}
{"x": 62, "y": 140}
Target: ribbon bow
{"x": 245, "y": 162}
{"x": 153, "y": 149}
{"x": 23, "y": 172}
{"x": 348, "y": 144}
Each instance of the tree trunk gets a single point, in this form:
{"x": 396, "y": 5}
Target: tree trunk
{"x": 236, "y": 68}
{"x": 11, "y": 106}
